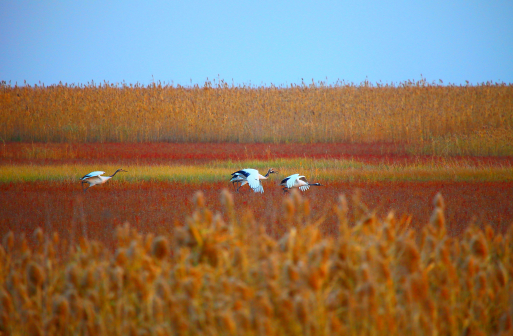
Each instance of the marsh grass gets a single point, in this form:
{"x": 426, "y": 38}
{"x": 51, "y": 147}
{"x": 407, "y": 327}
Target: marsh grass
{"x": 430, "y": 118}
{"x": 313, "y": 169}
{"x": 484, "y": 142}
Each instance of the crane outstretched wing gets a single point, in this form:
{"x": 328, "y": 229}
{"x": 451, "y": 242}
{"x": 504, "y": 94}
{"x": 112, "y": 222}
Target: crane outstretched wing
{"x": 241, "y": 173}
{"x": 284, "y": 181}
{"x": 292, "y": 180}
{"x": 303, "y": 180}
{"x": 254, "y": 183}
{"x": 93, "y": 174}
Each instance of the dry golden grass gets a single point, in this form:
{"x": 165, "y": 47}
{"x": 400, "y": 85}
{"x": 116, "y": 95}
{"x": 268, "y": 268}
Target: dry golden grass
{"x": 218, "y": 171}
{"x": 223, "y": 275}
{"x": 435, "y": 119}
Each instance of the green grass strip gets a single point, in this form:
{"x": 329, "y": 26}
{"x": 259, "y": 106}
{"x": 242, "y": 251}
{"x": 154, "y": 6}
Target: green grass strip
{"x": 314, "y": 170}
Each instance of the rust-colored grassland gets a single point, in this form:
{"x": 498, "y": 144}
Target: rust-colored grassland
{"x": 155, "y": 206}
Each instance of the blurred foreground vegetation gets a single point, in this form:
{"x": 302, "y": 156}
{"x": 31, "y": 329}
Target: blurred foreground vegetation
{"x": 220, "y": 274}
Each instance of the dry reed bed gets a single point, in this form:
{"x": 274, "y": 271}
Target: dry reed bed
{"x": 222, "y": 275}
{"x": 440, "y": 119}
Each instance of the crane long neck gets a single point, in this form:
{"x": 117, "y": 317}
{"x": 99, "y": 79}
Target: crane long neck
{"x": 268, "y": 172}
{"x": 114, "y": 173}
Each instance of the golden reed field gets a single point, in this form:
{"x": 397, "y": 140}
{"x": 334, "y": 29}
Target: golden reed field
{"x": 436, "y": 119}
{"x": 411, "y": 232}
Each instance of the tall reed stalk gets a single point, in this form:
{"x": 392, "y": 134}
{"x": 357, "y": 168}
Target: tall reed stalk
{"x": 472, "y": 119}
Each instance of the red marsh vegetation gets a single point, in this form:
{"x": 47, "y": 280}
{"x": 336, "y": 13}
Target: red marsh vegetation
{"x": 196, "y": 153}
{"x": 156, "y": 207}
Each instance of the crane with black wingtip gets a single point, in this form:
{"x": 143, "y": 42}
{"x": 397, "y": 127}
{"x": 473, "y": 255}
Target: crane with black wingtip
{"x": 297, "y": 181}
{"x": 95, "y": 178}
{"x": 251, "y": 177}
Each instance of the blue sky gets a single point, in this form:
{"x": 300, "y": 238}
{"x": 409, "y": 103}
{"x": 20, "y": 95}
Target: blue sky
{"x": 255, "y": 42}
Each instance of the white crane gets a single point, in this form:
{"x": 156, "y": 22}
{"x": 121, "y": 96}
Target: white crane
{"x": 297, "y": 181}
{"x": 251, "y": 177}
{"x": 95, "y": 178}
